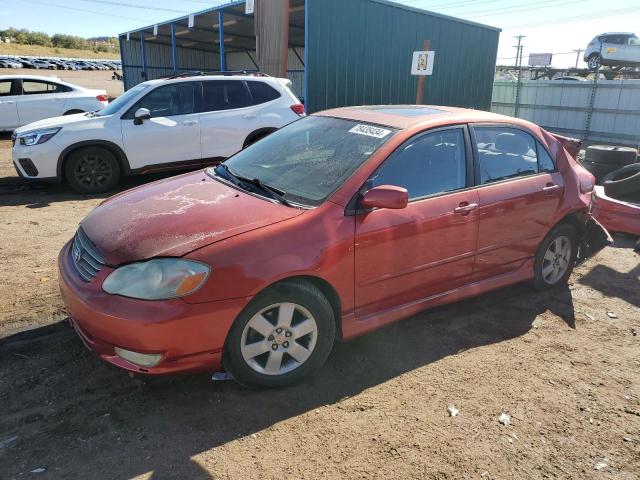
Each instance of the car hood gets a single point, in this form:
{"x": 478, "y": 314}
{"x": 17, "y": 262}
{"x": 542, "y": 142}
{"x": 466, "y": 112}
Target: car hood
{"x": 175, "y": 216}
{"x": 54, "y": 122}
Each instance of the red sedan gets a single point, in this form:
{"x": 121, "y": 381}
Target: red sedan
{"x": 329, "y": 228}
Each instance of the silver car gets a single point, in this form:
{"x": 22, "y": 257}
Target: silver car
{"x": 613, "y": 49}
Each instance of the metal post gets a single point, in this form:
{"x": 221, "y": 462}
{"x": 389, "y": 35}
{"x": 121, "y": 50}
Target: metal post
{"x": 144, "y": 56}
{"x": 426, "y": 46}
{"x": 174, "y": 50}
{"x": 519, "y": 47}
{"x": 578, "y": 52}
{"x": 223, "y": 55}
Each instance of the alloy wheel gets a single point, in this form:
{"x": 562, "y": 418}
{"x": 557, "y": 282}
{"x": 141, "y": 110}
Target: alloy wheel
{"x": 556, "y": 260}
{"x": 93, "y": 171}
{"x": 279, "y": 338}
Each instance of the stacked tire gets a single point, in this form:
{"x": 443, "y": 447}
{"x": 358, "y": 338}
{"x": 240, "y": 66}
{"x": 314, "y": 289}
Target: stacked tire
{"x": 622, "y": 182}
{"x": 601, "y": 160}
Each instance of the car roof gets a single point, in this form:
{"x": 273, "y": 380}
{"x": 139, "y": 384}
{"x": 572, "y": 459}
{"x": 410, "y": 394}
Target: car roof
{"x": 37, "y": 77}
{"x": 615, "y": 33}
{"x": 198, "y": 78}
{"x": 408, "y": 116}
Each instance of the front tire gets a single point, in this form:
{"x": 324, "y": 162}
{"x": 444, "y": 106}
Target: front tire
{"x": 282, "y": 336}
{"x": 556, "y": 257}
{"x": 594, "y": 62}
{"x": 92, "y": 170}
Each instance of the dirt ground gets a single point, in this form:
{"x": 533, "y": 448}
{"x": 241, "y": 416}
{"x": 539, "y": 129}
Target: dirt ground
{"x": 100, "y": 79}
{"x": 566, "y": 373}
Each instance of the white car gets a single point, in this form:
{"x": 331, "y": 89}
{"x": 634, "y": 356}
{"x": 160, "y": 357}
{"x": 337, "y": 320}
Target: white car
{"x": 176, "y": 123}
{"x": 613, "y": 49}
{"x": 28, "y": 98}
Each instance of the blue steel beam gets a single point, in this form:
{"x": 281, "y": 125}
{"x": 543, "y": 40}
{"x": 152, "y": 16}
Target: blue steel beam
{"x": 144, "y": 56}
{"x": 174, "y": 50}
{"x": 223, "y": 55}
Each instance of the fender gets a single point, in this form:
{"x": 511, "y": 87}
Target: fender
{"x": 120, "y": 155}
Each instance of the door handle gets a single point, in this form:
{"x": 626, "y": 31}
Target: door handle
{"x": 550, "y": 188}
{"x": 250, "y": 115}
{"x": 189, "y": 123}
{"x": 465, "y": 208}
{"x": 8, "y": 102}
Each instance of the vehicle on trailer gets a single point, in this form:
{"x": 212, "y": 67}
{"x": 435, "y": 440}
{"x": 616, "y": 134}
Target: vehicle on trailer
{"x": 331, "y": 227}
{"x": 27, "y": 98}
{"x": 613, "y": 50}
{"x": 183, "y": 122}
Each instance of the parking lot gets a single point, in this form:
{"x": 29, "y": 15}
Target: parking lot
{"x": 564, "y": 366}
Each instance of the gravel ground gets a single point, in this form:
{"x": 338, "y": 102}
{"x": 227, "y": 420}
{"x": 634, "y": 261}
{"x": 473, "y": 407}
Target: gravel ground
{"x": 566, "y": 373}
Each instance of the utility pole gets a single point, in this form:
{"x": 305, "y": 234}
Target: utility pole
{"x": 578, "y": 52}
{"x": 519, "y": 48}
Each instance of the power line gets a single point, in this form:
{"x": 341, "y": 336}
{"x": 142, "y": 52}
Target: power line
{"x": 128, "y": 5}
{"x": 574, "y": 18}
{"x": 509, "y": 10}
{"x": 86, "y": 11}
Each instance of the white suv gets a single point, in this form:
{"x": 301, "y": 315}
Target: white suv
{"x": 27, "y": 98}
{"x": 176, "y": 123}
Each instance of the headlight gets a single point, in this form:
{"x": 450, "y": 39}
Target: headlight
{"x": 158, "y": 279}
{"x": 36, "y": 137}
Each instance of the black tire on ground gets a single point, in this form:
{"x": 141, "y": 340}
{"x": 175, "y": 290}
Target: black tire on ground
{"x": 73, "y": 112}
{"x": 92, "y": 170}
{"x": 294, "y": 291}
{"x": 624, "y": 181}
{"x": 563, "y": 230}
{"x": 620, "y": 156}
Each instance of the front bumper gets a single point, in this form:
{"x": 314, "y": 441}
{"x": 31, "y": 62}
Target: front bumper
{"x": 190, "y": 337}
{"x": 37, "y": 162}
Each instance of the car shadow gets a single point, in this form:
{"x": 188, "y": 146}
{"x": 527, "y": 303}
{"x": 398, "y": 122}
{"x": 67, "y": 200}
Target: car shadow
{"x": 612, "y": 283}
{"x": 128, "y": 426}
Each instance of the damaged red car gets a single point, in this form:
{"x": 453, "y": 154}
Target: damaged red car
{"x": 329, "y": 228}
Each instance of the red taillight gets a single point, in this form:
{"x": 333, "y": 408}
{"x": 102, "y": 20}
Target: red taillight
{"x": 102, "y": 98}
{"x": 298, "y": 108}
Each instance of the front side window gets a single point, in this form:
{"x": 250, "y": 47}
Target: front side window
{"x": 169, "y": 100}
{"x": 505, "y": 153}
{"x": 433, "y": 163}
{"x": 311, "y": 158}
{"x": 224, "y": 95}
{"x": 122, "y": 100}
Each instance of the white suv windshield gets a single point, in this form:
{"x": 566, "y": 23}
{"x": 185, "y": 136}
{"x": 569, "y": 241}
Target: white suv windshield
{"x": 122, "y": 100}
{"x": 309, "y": 159}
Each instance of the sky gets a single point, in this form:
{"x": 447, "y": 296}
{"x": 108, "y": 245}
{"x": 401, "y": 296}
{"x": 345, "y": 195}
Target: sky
{"x": 550, "y": 26}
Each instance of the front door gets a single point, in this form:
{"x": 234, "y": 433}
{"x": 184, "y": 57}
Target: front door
{"x": 8, "y": 108}
{"x": 171, "y": 137}
{"x": 520, "y": 191}
{"x": 402, "y": 256}
{"x": 39, "y": 100}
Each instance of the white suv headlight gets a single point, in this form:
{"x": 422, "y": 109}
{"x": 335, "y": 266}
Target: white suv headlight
{"x": 36, "y": 137}
{"x": 157, "y": 279}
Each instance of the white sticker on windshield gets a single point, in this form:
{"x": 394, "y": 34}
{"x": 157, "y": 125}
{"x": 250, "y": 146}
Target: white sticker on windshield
{"x": 370, "y": 131}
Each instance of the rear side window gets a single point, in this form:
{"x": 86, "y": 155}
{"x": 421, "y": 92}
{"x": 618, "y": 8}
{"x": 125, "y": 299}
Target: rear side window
{"x": 433, "y": 163}
{"x": 505, "y": 153}
{"x": 224, "y": 95}
{"x": 5, "y": 88}
{"x": 262, "y": 93}
{"x": 35, "y": 87}
{"x": 168, "y": 101}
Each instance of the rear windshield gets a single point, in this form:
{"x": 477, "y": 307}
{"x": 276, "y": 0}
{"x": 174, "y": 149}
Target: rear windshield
{"x": 311, "y": 158}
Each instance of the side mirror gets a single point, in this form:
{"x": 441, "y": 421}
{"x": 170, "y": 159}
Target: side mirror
{"x": 385, "y": 196}
{"x": 141, "y": 115}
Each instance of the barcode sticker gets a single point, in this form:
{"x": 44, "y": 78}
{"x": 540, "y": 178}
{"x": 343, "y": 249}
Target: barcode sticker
{"x": 370, "y": 131}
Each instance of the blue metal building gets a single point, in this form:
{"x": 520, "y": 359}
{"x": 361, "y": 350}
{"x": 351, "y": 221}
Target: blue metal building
{"x": 341, "y": 52}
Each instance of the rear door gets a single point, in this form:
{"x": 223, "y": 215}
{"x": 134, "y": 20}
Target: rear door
{"x": 614, "y": 46}
{"x": 227, "y": 118}
{"x": 40, "y": 99}
{"x": 519, "y": 192}
{"x": 171, "y": 137}
{"x": 8, "y": 105}
{"x": 403, "y": 256}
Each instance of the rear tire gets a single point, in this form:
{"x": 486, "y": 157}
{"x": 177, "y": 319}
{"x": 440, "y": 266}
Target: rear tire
{"x": 556, "y": 257}
{"x": 594, "y": 62}
{"x": 72, "y": 112}
{"x": 254, "y": 137}
{"x": 92, "y": 170}
{"x": 267, "y": 345}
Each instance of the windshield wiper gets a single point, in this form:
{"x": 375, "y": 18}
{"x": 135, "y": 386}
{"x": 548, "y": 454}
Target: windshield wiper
{"x": 241, "y": 182}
